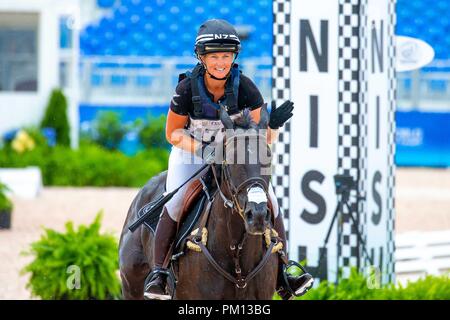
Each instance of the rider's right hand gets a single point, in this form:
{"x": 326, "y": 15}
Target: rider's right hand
{"x": 206, "y": 152}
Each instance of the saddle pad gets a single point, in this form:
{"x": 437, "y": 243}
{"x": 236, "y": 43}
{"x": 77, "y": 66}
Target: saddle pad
{"x": 187, "y": 224}
{"x": 190, "y": 220}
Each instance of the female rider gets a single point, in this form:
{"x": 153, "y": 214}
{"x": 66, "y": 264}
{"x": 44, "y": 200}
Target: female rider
{"x": 216, "y": 79}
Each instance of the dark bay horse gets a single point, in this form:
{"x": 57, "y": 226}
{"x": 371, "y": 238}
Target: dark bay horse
{"x": 241, "y": 264}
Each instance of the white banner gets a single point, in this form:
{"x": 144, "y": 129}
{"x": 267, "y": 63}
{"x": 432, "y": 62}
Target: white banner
{"x": 314, "y": 126}
{"x": 377, "y": 208}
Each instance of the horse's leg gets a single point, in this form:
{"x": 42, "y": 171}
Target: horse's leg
{"x": 134, "y": 265}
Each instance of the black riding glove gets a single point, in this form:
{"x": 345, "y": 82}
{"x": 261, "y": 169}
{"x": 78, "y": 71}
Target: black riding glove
{"x": 278, "y": 116}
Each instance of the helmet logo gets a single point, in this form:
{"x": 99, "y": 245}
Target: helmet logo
{"x": 221, "y": 36}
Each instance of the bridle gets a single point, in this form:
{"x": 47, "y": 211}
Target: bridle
{"x": 234, "y": 190}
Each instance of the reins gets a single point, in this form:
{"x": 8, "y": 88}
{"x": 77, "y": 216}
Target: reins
{"x": 198, "y": 238}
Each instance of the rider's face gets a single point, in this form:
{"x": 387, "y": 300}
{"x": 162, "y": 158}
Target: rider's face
{"x": 218, "y": 63}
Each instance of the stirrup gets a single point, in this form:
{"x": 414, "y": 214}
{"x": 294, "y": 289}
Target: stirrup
{"x": 304, "y": 288}
{"x": 170, "y": 282}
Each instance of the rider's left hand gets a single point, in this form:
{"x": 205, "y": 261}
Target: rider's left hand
{"x": 278, "y": 116}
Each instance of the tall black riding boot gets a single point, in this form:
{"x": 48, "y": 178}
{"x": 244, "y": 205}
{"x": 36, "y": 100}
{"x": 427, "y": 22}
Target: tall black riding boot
{"x": 288, "y": 285}
{"x": 155, "y": 284}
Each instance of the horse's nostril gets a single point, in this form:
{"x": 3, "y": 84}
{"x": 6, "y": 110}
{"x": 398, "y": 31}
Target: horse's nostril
{"x": 249, "y": 215}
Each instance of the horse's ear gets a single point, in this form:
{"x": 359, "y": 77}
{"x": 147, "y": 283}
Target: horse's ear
{"x": 225, "y": 118}
{"x": 264, "y": 117}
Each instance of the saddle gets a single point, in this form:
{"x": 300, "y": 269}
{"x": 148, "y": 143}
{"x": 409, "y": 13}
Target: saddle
{"x": 195, "y": 199}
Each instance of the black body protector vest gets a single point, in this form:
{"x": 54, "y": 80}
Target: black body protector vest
{"x": 205, "y": 124}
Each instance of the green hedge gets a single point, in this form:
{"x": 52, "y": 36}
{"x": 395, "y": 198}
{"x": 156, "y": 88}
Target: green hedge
{"x": 152, "y": 133}
{"x": 5, "y": 202}
{"x": 90, "y": 165}
{"x": 56, "y": 117}
{"x": 358, "y": 287}
{"x": 108, "y": 129}
{"x": 78, "y": 264}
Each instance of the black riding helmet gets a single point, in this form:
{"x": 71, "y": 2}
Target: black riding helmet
{"x": 217, "y": 35}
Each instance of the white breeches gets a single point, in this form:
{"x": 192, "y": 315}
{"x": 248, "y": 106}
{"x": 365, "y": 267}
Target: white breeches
{"x": 182, "y": 165}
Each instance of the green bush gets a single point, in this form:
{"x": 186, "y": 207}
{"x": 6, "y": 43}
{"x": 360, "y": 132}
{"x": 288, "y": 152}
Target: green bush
{"x": 108, "y": 130}
{"x": 78, "y": 264}
{"x": 428, "y": 288}
{"x": 37, "y": 136}
{"x": 90, "y": 165}
{"x": 152, "y": 133}
{"x": 5, "y": 203}
{"x": 32, "y": 135}
{"x": 56, "y": 117}
{"x": 357, "y": 287}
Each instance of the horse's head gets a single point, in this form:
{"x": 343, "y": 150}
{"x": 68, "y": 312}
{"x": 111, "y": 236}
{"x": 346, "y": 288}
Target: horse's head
{"x": 246, "y": 168}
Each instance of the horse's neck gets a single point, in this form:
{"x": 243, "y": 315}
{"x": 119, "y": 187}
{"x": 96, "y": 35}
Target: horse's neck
{"x": 227, "y": 225}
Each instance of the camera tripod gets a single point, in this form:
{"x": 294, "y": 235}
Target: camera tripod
{"x": 344, "y": 184}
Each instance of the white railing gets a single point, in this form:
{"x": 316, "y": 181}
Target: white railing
{"x": 426, "y": 87}
{"x": 421, "y": 253}
{"x": 150, "y": 80}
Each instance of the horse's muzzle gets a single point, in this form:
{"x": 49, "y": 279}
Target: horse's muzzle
{"x": 257, "y": 218}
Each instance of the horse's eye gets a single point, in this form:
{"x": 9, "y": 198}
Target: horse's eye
{"x": 242, "y": 197}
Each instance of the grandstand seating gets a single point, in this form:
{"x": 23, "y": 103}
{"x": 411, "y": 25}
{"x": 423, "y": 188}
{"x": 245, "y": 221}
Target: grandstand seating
{"x": 426, "y": 20}
{"x": 163, "y": 28}
{"x": 168, "y": 28}
{"x": 105, "y": 3}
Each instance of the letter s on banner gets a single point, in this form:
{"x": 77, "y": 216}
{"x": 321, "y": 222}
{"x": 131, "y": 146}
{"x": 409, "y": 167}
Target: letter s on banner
{"x": 314, "y": 197}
